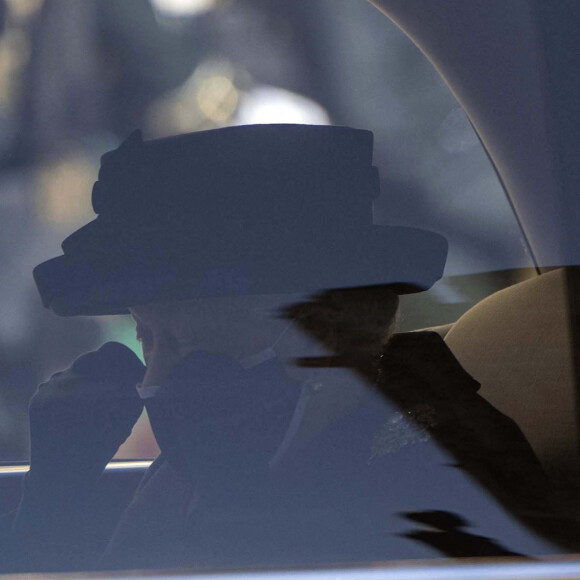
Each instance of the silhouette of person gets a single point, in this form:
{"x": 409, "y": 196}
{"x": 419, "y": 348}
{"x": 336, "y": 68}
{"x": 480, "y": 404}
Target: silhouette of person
{"x": 292, "y": 423}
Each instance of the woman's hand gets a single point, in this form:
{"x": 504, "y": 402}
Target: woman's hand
{"x": 80, "y": 417}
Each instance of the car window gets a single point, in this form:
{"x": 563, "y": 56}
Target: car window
{"x": 194, "y": 66}
{"x": 78, "y": 78}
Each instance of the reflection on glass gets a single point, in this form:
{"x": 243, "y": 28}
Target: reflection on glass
{"x": 298, "y": 414}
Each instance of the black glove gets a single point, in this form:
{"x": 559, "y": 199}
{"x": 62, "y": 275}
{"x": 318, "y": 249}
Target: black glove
{"x": 78, "y": 420}
{"x": 80, "y": 417}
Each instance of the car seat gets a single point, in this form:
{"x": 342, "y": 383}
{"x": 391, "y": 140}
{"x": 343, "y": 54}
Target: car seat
{"x": 518, "y": 344}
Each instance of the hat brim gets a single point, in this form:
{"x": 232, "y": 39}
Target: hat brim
{"x": 407, "y": 259}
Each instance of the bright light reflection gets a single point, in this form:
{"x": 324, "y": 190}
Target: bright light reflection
{"x": 274, "y": 105}
{"x": 112, "y": 466}
{"x": 498, "y": 570}
{"x": 179, "y": 8}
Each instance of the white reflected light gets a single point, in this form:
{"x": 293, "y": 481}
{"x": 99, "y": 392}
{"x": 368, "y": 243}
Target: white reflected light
{"x": 274, "y": 105}
{"x": 112, "y": 466}
{"x": 183, "y": 7}
{"x": 486, "y": 570}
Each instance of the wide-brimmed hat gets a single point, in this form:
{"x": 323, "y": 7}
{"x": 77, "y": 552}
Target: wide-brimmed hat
{"x": 257, "y": 209}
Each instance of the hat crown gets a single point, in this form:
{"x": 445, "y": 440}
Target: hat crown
{"x": 189, "y": 169}
{"x": 285, "y": 208}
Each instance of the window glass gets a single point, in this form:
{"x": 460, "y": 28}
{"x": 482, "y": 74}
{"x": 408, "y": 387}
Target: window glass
{"x": 178, "y": 67}
{"x": 77, "y": 78}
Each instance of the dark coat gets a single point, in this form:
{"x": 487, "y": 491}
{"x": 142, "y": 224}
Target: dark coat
{"x": 258, "y": 470}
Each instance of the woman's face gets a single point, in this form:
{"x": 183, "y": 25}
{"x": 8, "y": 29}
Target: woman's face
{"x": 161, "y": 349}
{"x": 238, "y": 326}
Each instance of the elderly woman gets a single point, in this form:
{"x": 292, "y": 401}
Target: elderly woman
{"x": 293, "y": 427}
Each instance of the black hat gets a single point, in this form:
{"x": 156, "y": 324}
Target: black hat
{"x": 257, "y": 209}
